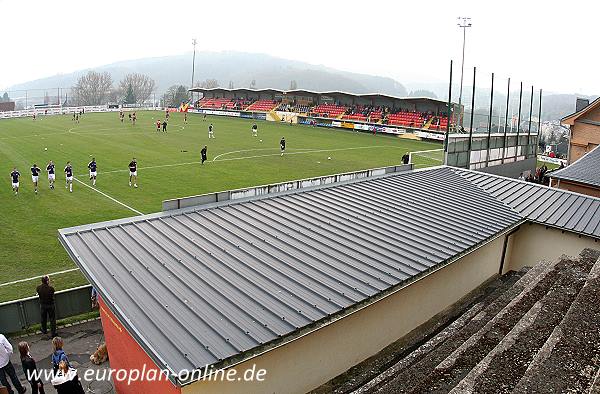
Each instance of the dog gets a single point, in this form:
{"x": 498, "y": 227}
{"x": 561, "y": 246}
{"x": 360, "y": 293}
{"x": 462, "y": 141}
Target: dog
{"x": 100, "y": 355}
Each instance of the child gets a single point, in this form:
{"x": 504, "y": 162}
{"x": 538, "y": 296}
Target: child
{"x": 66, "y": 380}
{"x": 58, "y": 354}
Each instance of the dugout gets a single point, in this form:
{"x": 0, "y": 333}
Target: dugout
{"x": 309, "y": 282}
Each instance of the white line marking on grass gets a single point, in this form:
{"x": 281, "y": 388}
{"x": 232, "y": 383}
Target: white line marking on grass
{"x": 302, "y": 151}
{"x": 251, "y": 150}
{"x": 150, "y": 167}
{"x": 109, "y": 197}
{"x": 14, "y": 282}
{"x": 305, "y": 152}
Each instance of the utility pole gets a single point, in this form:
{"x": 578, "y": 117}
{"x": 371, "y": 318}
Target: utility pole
{"x": 193, "y": 65}
{"x": 463, "y": 23}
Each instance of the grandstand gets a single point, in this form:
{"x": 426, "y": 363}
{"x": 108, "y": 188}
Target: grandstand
{"x": 378, "y": 109}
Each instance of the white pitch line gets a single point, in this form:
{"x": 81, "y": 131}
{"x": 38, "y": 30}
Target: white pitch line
{"x": 14, "y": 282}
{"x": 109, "y": 197}
{"x": 150, "y": 167}
{"x": 303, "y": 152}
{"x": 251, "y": 150}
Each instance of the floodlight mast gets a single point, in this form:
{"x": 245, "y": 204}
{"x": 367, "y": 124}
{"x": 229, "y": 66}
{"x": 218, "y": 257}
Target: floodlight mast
{"x": 194, "y": 42}
{"x": 463, "y": 23}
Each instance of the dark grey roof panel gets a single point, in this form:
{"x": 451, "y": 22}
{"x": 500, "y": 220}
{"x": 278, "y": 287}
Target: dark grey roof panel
{"x": 585, "y": 170}
{"x": 553, "y": 207}
{"x": 199, "y": 286}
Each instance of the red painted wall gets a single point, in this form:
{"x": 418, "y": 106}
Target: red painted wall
{"x": 125, "y": 353}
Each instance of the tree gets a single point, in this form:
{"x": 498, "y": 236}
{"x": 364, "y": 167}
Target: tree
{"x": 230, "y": 84}
{"x": 253, "y": 84}
{"x": 422, "y": 93}
{"x": 209, "y": 83}
{"x": 293, "y": 84}
{"x": 130, "y": 97}
{"x": 139, "y": 85}
{"x": 5, "y": 98}
{"x": 175, "y": 95}
{"x": 92, "y": 88}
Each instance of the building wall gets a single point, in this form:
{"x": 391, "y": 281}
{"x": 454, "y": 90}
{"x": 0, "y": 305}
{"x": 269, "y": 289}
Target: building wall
{"x": 125, "y": 353}
{"x": 512, "y": 170}
{"x": 314, "y": 359}
{"x": 576, "y": 187}
{"x": 533, "y": 243}
{"x": 584, "y": 137}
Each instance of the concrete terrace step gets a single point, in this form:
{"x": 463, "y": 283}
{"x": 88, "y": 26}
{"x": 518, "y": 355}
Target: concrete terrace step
{"x": 502, "y": 368}
{"x": 569, "y": 361}
{"x": 456, "y": 366}
{"x": 412, "y": 375}
{"x": 370, "y": 374}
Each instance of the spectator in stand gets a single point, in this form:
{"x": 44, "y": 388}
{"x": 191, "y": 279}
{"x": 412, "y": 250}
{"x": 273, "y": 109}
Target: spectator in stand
{"x": 30, "y": 369}
{"x": 7, "y": 369}
{"x": 47, "y": 308}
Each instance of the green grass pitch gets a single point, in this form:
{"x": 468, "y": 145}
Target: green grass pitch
{"x": 168, "y": 168}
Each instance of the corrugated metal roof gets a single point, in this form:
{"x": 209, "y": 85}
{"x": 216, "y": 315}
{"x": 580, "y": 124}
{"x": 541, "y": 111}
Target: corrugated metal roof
{"x": 208, "y": 285}
{"x": 541, "y": 204}
{"x": 585, "y": 170}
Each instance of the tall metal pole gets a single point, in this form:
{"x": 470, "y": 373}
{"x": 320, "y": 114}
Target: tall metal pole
{"x": 449, "y": 111}
{"x": 539, "y": 129}
{"x": 506, "y": 120}
{"x": 489, "y": 136}
{"x": 193, "y": 66}
{"x": 529, "y": 126}
{"x": 519, "y": 122}
{"x": 463, "y": 24}
{"x": 471, "y": 123}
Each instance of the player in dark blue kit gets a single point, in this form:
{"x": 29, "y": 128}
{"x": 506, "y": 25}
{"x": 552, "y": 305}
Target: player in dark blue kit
{"x": 282, "y": 145}
{"x": 133, "y": 172}
{"x": 93, "y": 173}
{"x": 69, "y": 177}
{"x": 35, "y": 174}
{"x": 51, "y": 174}
{"x": 14, "y": 176}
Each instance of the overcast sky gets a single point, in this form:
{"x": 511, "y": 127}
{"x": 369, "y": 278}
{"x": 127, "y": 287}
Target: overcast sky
{"x": 549, "y": 44}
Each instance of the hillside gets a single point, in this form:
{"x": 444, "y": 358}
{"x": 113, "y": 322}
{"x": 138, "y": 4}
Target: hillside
{"x": 240, "y": 68}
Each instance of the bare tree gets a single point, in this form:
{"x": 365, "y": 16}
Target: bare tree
{"x": 141, "y": 85}
{"x": 209, "y": 83}
{"x": 92, "y": 88}
{"x": 175, "y": 95}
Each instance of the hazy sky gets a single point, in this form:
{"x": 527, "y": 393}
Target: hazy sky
{"x": 549, "y": 44}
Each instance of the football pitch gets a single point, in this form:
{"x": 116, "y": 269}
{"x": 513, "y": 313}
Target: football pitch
{"x": 168, "y": 167}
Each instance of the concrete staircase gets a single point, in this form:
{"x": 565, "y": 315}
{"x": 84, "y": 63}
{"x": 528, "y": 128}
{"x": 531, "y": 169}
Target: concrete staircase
{"x": 541, "y": 334}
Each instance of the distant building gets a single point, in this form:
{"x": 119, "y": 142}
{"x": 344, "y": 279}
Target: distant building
{"x": 585, "y": 130}
{"x": 583, "y": 176}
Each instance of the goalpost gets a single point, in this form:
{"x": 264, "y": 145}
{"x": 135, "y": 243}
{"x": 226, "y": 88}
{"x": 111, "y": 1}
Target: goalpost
{"x": 427, "y": 158}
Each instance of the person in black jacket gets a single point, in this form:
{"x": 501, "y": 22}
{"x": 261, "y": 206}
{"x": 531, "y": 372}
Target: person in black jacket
{"x": 66, "y": 381}
{"x": 47, "y": 308}
{"x": 30, "y": 369}
{"x": 203, "y": 154}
